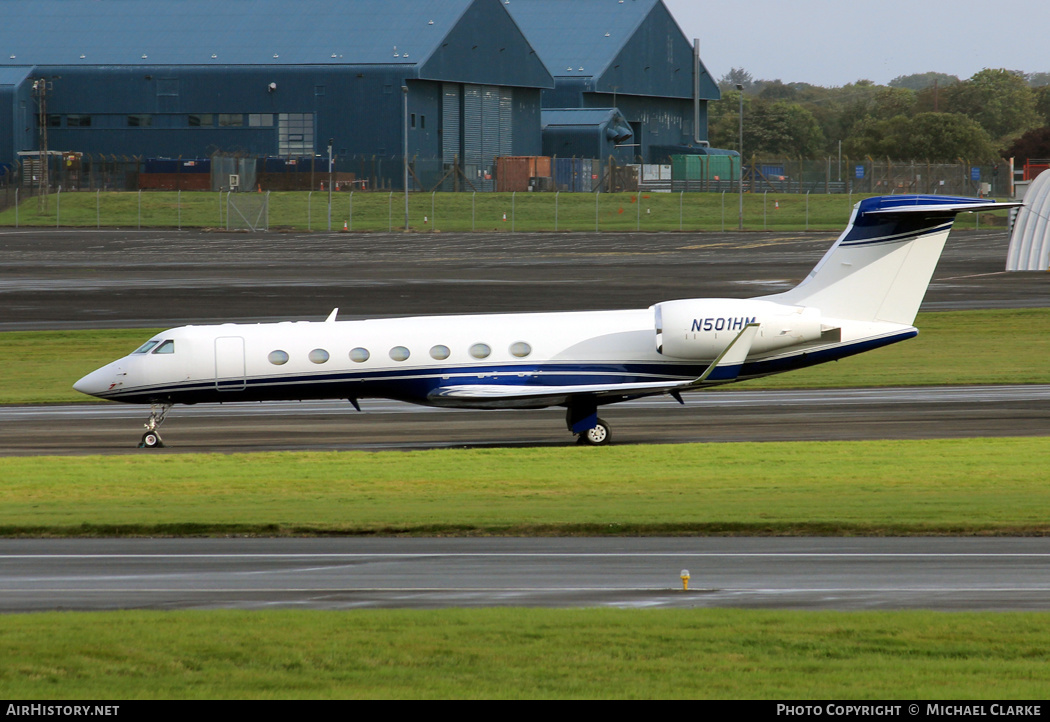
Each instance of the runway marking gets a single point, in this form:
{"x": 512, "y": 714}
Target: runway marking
{"x": 972, "y": 275}
{"x": 446, "y": 590}
{"x": 563, "y": 555}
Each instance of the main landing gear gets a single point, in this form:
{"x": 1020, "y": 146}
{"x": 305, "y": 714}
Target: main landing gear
{"x": 151, "y": 439}
{"x": 599, "y": 435}
{"x": 581, "y": 417}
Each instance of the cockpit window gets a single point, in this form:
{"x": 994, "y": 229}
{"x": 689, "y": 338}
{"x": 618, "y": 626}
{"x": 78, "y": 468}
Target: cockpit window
{"x": 166, "y": 347}
{"x": 144, "y": 348}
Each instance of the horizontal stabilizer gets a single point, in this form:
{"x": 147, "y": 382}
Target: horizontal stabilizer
{"x": 945, "y": 208}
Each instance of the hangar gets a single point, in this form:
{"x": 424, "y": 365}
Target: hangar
{"x": 269, "y": 78}
{"x": 624, "y": 55}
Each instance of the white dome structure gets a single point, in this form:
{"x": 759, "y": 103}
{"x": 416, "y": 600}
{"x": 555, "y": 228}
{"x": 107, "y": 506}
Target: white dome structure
{"x": 1030, "y": 239}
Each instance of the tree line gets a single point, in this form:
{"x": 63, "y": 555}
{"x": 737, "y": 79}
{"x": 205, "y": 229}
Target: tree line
{"x": 926, "y": 116}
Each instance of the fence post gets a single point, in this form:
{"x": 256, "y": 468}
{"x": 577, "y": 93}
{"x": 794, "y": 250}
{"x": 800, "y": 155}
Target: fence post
{"x": 807, "y": 210}
{"x": 309, "y": 219}
{"x": 390, "y": 213}
{"x": 556, "y": 209}
{"x": 98, "y": 210}
{"x": 178, "y": 202}
{"x": 723, "y": 211}
{"x": 433, "y": 212}
{"x": 267, "y": 210}
{"x": 220, "y": 207}
{"x": 638, "y": 200}
{"x": 681, "y": 204}
{"x": 350, "y": 223}
{"x": 140, "y": 210}
{"x": 764, "y": 209}
{"x": 58, "y": 208}
{"x": 596, "y": 194}
{"x": 512, "y": 196}
{"x": 228, "y": 210}
{"x": 473, "y": 200}
{"x": 16, "y": 208}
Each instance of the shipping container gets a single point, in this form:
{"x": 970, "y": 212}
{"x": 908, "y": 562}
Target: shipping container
{"x": 704, "y": 172}
{"x": 576, "y": 175}
{"x": 519, "y": 173}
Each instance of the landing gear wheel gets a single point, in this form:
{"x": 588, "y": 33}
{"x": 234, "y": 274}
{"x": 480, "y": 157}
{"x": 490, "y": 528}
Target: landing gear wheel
{"x": 151, "y": 440}
{"x": 598, "y": 436}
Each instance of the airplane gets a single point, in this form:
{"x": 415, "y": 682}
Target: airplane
{"x": 862, "y": 295}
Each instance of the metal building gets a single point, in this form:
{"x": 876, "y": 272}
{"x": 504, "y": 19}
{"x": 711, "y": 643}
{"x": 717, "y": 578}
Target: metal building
{"x": 190, "y": 78}
{"x": 628, "y": 55}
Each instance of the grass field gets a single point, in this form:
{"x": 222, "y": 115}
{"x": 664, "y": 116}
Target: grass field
{"x": 430, "y": 212}
{"x": 525, "y": 654}
{"x": 947, "y": 486}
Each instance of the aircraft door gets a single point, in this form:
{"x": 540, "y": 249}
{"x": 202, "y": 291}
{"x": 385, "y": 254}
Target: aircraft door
{"x": 229, "y": 363}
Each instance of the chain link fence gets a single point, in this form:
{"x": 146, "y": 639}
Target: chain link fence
{"x": 874, "y": 176}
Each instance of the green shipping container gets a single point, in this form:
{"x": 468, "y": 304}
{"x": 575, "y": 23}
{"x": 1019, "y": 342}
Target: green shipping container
{"x": 712, "y": 168}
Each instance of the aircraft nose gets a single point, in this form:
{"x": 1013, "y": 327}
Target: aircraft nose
{"x": 98, "y": 382}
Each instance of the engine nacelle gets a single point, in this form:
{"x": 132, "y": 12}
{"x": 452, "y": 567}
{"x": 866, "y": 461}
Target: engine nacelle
{"x": 701, "y": 328}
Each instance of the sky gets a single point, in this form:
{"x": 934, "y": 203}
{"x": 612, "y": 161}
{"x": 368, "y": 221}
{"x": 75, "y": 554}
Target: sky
{"x": 832, "y": 43}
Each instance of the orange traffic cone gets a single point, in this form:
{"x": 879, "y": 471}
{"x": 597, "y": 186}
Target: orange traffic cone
{"x": 346, "y": 228}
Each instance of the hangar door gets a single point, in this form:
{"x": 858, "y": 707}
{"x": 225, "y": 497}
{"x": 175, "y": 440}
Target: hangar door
{"x": 477, "y": 126}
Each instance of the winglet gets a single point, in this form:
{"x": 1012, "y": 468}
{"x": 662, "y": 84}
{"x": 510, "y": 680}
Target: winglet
{"x": 332, "y": 315}
{"x": 728, "y": 364}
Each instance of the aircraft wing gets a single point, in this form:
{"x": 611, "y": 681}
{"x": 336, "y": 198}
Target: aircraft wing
{"x": 724, "y": 368}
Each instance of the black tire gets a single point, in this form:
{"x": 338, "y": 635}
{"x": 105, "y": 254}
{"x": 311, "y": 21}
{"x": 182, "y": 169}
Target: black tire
{"x": 151, "y": 440}
{"x": 598, "y": 436}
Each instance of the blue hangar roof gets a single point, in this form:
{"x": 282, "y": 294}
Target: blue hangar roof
{"x": 254, "y": 32}
{"x": 634, "y": 45}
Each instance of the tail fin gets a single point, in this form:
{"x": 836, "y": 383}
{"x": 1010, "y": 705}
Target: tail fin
{"x": 881, "y": 265}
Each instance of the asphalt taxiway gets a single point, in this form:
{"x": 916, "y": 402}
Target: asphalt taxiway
{"x": 814, "y": 573}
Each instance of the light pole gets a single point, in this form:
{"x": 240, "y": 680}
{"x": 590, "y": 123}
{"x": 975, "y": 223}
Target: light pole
{"x": 404, "y": 93}
{"x": 330, "y": 140}
{"x": 740, "y": 219}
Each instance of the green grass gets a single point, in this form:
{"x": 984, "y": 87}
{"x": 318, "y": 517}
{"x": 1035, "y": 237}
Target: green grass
{"x": 525, "y": 654}
{"x": 949, "y": 486}
{"x": 954, "y": 347}
{"x": 377, "y": 211}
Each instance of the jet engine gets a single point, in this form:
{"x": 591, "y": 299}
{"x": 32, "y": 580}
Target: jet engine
{"x": 701, "y": 328}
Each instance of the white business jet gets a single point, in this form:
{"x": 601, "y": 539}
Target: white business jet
{"x": 863, "y": 294}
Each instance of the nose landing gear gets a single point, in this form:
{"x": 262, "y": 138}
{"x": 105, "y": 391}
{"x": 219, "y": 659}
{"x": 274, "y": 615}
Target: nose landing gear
{"x": 151, "y": 439}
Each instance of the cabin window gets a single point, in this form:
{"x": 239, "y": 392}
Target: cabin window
{"x": 166, "y": 347}
{"x": 480, "y": 350}
{"x": 359, "y": 355}
{"x": 520, "y": 349}
{"x": 144, "y": 348}
{"x": 318, "y": 356}
{"x": 278, "y": 358}
{"x": 440, "y": 352}
{"x": 400, "y": 353}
